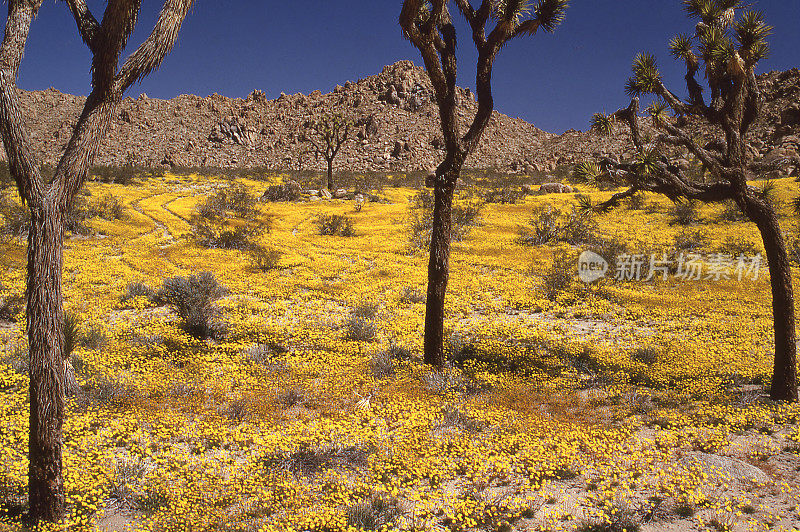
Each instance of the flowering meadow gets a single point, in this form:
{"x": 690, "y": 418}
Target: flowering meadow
{"x": 619, "y": 405}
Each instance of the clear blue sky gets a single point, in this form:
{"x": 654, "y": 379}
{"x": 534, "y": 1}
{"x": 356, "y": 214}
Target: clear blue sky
{"x": 556, "y": 81}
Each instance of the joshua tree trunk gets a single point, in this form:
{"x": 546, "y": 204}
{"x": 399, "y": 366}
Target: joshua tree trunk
{"x": 50, "y": 201}
{"x": 45, "y": 338}
{"x": 331, "y": 185}
{"x": 784, "y": 377}
{"x": 439, "y": 269}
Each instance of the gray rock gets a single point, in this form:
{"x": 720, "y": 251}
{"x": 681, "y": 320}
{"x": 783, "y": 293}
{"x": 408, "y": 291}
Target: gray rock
{"x": 736, "y": 468}
{"x": 555, "y": 188}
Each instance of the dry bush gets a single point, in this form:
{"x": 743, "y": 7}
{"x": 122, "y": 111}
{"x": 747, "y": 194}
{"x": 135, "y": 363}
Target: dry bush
{"x": 309, "y": 459}
{"x": 691, "y": 240}
{"x": 376, "y": 512}
{"x": 193, "y": 299}
{"x": 11, "y": 305}
{"x": 361, "y": 328}
{"x": 136, "y": 289}
{"x": 226, "y": 220}
{"x": 465, "y": 215}
{"x": 685, "y": 213}
{"x": 108, "y": 207}
{"x": 335, "y": 225}
{"x": 413, "y": 295}
{"x": 732, "y": 213}
{"x": 286, "y": 192}
{"x": 264, "y": 258}
{"x": 119, "y": 175}
{"x": 560, "y": 275}
{"x": 550, "y": 225}
{"x": 738, "y": 245}
{"x": 504, "y": 195}
{"x": 234, "y": 199}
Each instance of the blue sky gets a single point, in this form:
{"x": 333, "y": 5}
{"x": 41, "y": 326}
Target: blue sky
{"x": 556, "y": 81}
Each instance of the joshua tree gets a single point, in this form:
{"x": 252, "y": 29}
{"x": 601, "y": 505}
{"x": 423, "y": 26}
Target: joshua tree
{"x": 327, "y": 136}
{"x": 49, "y": 201}
{"x": 429, "y": 27}
{"x": 728, "y": 49}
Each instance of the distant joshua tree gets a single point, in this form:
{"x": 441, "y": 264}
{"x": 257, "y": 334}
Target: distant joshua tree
{"x": 327, "y": 135}
{"x": 728, "y": 49}
{"x": 429, "y": 27}
{"x": 50, "y": 200}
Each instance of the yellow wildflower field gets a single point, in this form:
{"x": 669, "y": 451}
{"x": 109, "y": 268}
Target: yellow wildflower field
{"x": 622, "y": 404}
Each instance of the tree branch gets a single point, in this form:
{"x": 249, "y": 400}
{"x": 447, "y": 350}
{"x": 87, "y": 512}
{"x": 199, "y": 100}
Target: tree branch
{"x": 158, "y": 44}
{"x": 88, "y": 26}
{"x": 22, "y": 162}
{"x": 119, "y": 20}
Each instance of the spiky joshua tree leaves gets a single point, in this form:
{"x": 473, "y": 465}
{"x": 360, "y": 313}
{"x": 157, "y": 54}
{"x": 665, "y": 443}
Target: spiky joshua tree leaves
{"x": 50, "y": 200}
{"x": 429, "y": 27}
{"x": 327, "y": 136}
{"x": 726, "y": 44}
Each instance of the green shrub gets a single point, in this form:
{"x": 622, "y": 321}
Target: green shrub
{"x": 335, "y": 225}
{"x": 72, "y": 333}
{"x": 193, "y": 299}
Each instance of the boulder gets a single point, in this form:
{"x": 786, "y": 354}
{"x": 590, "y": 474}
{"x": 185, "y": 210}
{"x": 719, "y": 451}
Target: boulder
{"x": 325, "y": 193}
{"x": 340, "y": 193}
{"x": 737, "y": 469}
{"x": 554, "y": 188}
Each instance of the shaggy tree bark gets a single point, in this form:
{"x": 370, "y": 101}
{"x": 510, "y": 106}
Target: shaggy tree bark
{"x": 730, "y": 49}
{"x": 48, "y": 203}
{"x": 430, "y": 29}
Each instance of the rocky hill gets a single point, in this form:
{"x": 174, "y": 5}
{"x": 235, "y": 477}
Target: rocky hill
{"x": 398, "y": 128}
